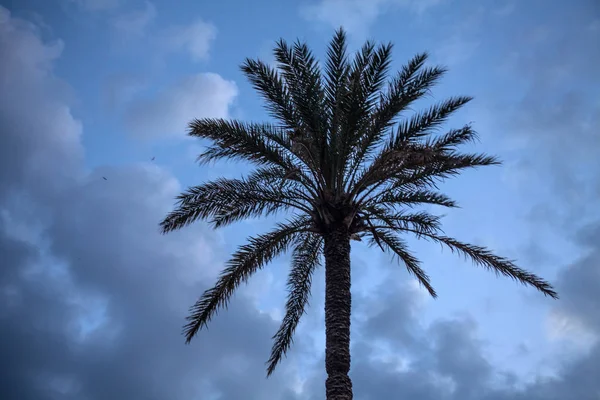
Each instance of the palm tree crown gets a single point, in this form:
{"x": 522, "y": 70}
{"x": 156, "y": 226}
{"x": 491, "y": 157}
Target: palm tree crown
{"x": 340, "y": 154}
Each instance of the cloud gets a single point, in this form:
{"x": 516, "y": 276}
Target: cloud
{"x": 554, "y": 124}
{"x": 576, "y": 316}
{"x": 356, "y": 16}
{"x": 556, "y": 114}
{"x": 133, "y": 28}
{"x": 569, "y": 328}
{"x": 25, "y": 159}
{"x": 134, "y": 24}
{"x": 92, "y": 296}
{"x": 395, "y": 356}
{"x": 168, "y": 113}
{"x": 353, "y": 15}
{"x": 448, "y": 358}
{"x": 554, "y": 128}
{"x": 195, "y": 39}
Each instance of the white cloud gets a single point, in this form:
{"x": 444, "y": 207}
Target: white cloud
{"x": 134, "y": 24}
{"x": 563, "y": 326}
{"x": 195, "y": 39}
{"x": 198, "y": 96}
{"x": 356, "y": 16}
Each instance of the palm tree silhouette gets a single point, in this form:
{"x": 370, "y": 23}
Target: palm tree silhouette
{"x": 345, "y": 166}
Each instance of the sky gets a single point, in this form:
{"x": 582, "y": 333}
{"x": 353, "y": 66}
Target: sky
{"x": 94, "y": 100}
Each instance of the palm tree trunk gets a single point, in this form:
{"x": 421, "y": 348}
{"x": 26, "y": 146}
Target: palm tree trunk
{"x": 338, "y": 385}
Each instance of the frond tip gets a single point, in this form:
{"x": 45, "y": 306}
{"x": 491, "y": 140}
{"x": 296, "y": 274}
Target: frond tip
{"x": 399, "y": 248}
{"x": 499, "y": 265}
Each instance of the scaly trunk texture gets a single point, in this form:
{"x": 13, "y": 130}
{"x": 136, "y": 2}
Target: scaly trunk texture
{"x": 338, "y": 385}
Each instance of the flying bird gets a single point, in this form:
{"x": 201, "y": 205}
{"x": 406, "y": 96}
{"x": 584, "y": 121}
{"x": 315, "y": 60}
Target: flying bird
{"x": 104, "y": 178}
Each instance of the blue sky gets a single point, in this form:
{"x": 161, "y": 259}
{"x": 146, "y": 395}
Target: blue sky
{"x": 93, "y": 296}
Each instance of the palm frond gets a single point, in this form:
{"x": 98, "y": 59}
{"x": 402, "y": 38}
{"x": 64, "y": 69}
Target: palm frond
{"x": 399, "y": 248}
{"x": 337, "y": 70}
{"x": 275, "y": 175}
{"x": 403, "y": 221}
{"x": 301, "y": 73}
{"x": 403, "y": 90}
{"x": 262, "y": 144}
{"x": 444, "y": 167}
{"x": 437, "y": 154}
{"x": 278, "y": 177}
{"x": 408, "y": 131}
{"x": 238, "y": 140}
{"x": 452, "y": 139}
{"x": 499, "y": 265}
{"x": 410, "y": 198}
{"x": 421, "y": 168}
{"x": 278, "y": 99}
{"x": 245, "y": 261}
{"x": 366, "y": 78}
{"x": 384, "y": 168}
{"x": 306, "y": 258}
{"x": 224, "y": 201}
{"x": 425, "y": 122}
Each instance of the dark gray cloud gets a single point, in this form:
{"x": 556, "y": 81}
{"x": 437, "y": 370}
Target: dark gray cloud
{"x": 446, "y": 360}
{"x": 93, "y": 296}
{"x": 556, "y": 121}
{"x": 555, "y": 127}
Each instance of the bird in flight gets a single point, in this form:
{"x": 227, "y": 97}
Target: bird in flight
{"x": 104, "y": 178}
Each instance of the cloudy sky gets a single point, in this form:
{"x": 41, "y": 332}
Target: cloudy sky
{"x": 94, "y": 99}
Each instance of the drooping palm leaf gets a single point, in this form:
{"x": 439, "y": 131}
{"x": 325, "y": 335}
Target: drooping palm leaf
{"x": 485, "y": 258}
{"x": 245, "y": 261}
{"x": 499, "y": 265}
{"x": 305, "y": 259}
{"x": 399, "y": 248}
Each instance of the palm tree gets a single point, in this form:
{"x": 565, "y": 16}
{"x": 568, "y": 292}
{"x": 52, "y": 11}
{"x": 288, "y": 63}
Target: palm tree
{"x": 345, "y": 167}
